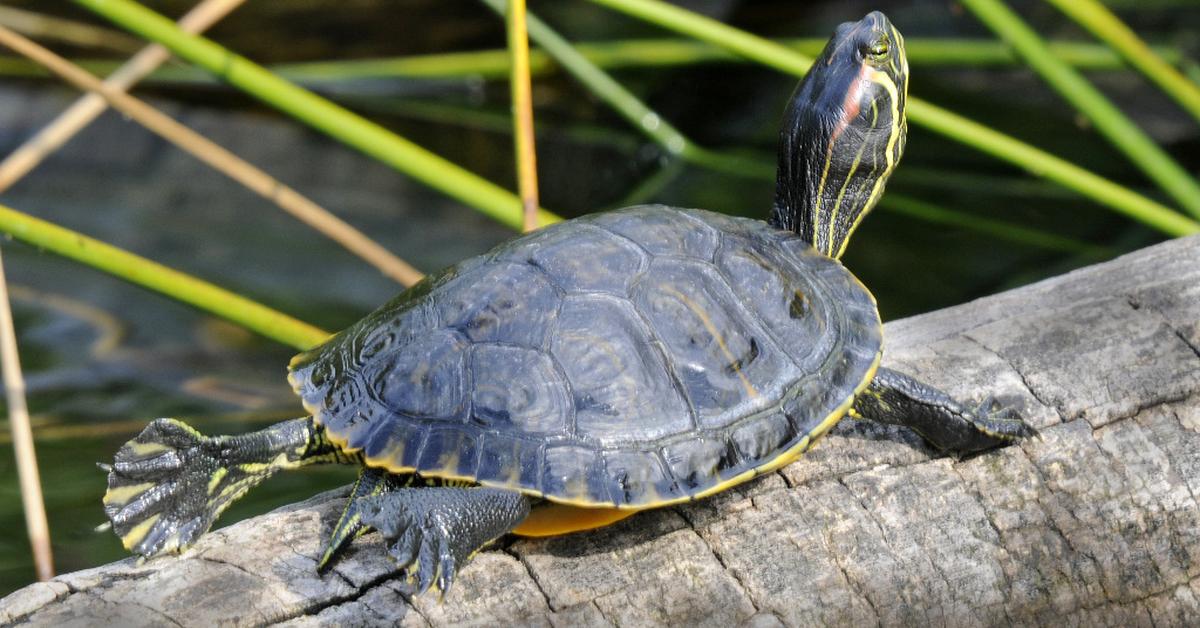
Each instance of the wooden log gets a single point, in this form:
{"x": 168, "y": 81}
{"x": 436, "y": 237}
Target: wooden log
{"x": 1095, "y": 523}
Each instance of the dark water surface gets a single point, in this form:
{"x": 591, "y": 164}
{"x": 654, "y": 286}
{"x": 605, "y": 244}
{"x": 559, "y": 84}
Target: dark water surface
{"x": 102, "y": 357}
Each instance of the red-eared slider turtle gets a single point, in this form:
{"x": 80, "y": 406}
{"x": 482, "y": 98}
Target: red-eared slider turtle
{"x": 613, "y": 363}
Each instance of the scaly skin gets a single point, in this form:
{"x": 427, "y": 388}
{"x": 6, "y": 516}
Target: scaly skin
{"x": 436, "y": 530}
{"x": 167, "y": 486}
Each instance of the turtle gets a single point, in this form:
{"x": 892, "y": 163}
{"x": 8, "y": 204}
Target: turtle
{"x": 605, "y": 365}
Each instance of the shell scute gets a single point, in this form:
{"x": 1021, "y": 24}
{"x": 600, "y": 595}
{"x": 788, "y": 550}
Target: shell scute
{"x": 793, "y": 304}
{"x": 662, "y": 231}
{"x": 638, "y": 477}
{"x": 425, "y": 380}
{"x": 509, "y": 461}
{"x": 399, "y": 442}
{"x": 450, "y": 451}
{"x": 518, "y": 390}
{"x": 726, "y": 362}
{"x": 699, "y": 463}
{"x": 575, "y": 474}
{"x": 622, "y": 391}
{"x": 757, "y": 437}
{"x": 588, "y": 260}
{"x": 500, "y": 302}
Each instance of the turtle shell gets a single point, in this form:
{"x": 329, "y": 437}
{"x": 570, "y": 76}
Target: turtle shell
{"x": 628, "y": 359}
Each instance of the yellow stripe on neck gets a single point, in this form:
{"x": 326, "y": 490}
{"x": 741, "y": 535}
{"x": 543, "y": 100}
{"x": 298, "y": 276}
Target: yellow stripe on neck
{"x": 883, "y": 80}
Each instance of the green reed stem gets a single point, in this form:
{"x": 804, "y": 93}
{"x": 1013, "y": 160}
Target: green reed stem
{"x": 1120, "y": 131}
{"x": 321, "y": 114}
{"x": 628, "y": 105}
{"x": 932, "y": 117}
{"x": 1107, "y": 27}
{"x": 934, "y": 213}
{"x": 1043, "y": 164}
{"x": 154, "y": 276}
{"x": 995, "y": 184}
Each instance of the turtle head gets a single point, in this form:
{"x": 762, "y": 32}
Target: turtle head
{"x": 842, "y": 134}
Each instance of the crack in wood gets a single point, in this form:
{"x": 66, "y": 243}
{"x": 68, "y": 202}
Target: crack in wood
{"x": 1038, "y": 397}
{"x": 532, "y": 576}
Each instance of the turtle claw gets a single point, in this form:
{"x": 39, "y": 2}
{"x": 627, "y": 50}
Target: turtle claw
{"x": 1001, "y": 421}
{"x": 446, "y": 571}
{"x": 427, "y": 565}
{"x": 405, "y": 550}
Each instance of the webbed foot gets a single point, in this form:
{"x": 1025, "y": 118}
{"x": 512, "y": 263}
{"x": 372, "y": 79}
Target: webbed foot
{"x": 167, "y": 486}
{"x": 435, "y": 531}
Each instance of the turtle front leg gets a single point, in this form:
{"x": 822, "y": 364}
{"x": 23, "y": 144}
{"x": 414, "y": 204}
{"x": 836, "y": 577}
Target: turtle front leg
{"x": 896, "y": 398}
{"x": 371, "y": 481}
{"x": 168, "y": 485}
{"x": 436, "y": 530}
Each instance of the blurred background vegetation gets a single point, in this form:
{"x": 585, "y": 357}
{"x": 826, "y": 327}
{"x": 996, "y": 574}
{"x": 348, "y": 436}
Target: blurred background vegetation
{"x": 102, "y": 357}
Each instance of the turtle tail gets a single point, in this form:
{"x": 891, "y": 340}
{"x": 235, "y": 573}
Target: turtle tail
{"x": 168, "y": 485}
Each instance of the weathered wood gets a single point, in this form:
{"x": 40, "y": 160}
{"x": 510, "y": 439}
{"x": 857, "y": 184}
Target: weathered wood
{"x": 1096, "y": 523}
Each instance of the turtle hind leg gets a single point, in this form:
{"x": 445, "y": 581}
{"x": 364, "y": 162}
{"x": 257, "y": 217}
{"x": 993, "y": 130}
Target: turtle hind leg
{"x": 896, "y": 398}
{"x": 435, "y": 530}
{"x": 168, "y": 485}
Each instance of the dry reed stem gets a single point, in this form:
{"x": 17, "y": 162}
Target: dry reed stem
{"x": 522, "y": 105}
{"x": 66, "y": 31}
{"x": 83, "y": 111}
{"x": 22, "y": 437}
{"x": 222, "y": 160}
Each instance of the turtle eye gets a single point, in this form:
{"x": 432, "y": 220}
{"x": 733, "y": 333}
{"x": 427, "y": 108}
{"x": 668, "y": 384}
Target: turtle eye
{"x": 878, "y": 49}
